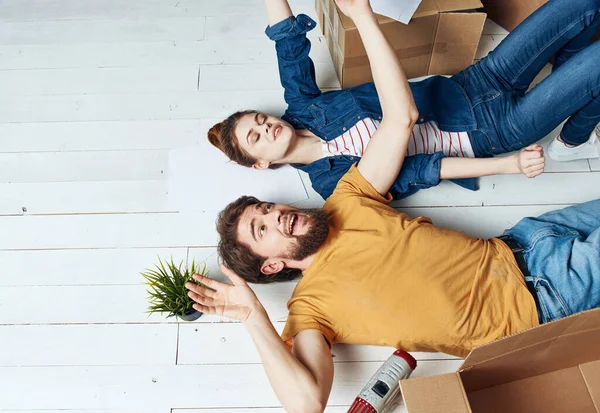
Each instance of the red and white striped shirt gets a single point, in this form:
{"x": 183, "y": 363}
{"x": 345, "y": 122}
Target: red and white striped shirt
{"x": 425, "y": 138}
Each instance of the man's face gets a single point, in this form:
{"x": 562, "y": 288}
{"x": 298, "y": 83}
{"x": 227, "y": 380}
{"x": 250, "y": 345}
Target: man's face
{"x": 281, "y": 231}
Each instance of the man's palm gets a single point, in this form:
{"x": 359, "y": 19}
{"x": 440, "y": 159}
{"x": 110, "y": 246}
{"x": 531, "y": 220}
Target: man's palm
{"x": 236, "y": 300}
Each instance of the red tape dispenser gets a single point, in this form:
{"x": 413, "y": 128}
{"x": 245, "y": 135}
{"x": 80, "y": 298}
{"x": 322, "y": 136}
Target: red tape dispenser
{"x": 382, "y": 390}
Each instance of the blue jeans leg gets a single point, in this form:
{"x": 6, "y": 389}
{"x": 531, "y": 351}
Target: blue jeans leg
{"x": 562, "y": 251}
{"x": 571, "y": 90}
{"x": 559, "y": 27}
{"x": 510, "y": 119}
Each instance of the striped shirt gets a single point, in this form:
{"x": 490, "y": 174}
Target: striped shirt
{"x": 425, "y": 138}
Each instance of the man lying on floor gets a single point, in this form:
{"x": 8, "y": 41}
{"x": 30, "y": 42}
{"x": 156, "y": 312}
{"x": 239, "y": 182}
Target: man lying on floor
{"x": 373, "y": 275}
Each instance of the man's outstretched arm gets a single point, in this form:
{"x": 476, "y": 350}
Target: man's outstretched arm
{"x": 301, "y": 380}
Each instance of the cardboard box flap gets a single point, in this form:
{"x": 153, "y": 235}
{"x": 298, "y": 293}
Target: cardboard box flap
{"x": 563, "y": 343}
{"x": 428, "y": 394}
{"x": 559, "y": 391}
{"x": 456, "y": 42}
{"x": 426, "y": 8}
{"x": 429, "y": 7}
{"x": 591, "y": 375}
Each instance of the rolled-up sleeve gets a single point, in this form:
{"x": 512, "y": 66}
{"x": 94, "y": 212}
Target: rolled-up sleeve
{"x": 296, "y": 69}
{"x": 417, "y": 172}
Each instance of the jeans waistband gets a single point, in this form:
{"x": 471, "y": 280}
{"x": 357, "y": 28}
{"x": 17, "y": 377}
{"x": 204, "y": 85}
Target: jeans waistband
{"x": 517, "y": 251}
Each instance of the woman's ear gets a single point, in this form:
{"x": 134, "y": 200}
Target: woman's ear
{"x": 272, "y": 267}
{"x": 260, "y": 165}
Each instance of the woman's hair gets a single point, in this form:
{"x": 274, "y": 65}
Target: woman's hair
{"x": 222, "y": 137}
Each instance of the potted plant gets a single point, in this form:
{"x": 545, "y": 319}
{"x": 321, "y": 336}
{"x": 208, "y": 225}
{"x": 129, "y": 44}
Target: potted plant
{"x": 167, "y": 289}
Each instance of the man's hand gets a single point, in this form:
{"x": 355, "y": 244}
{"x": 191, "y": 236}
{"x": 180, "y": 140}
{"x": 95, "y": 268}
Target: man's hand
{"x": 236, "y": 300}
{"x": 531, "y": 161}
{"x": 354, "y": 8}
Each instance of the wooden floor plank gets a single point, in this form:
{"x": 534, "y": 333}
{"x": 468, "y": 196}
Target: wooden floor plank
{"x": 86, "y": 267}
{"x": 83, "y": 166}
{"x": 102, "y": 136}
{"x": 204, "y": 387}
{"x": 180, "y": 78}
{"x": 84, "y": 197}
{"x": 88, "y": 345}
{"x": 106, "y": 31}
{"x": 215, "y": 52}
{"x": 48, "y": 10}
{"x": 126, "y": 106}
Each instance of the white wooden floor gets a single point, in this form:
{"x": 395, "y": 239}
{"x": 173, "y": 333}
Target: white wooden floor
{"x": 93, "y": 94}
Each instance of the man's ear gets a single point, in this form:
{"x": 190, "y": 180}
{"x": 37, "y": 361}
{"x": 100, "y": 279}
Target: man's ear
{"x": 270, "y": 267}
{"x": 260, "y": 165}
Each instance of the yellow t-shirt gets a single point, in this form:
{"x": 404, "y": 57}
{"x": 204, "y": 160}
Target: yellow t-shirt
{"x": 384, "y": 278}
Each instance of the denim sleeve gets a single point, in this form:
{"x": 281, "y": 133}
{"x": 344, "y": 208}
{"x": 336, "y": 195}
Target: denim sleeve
{"x": 296, "y": 69}
{"x": 417, "y": 172}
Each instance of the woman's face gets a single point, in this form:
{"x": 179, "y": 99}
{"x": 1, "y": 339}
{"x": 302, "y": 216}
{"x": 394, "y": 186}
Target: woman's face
{"x": 266, "y": 138}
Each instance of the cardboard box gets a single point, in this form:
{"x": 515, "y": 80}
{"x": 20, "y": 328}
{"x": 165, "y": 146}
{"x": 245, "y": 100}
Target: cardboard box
{"x": 551, "y": 368}
{"x": 510, "y": 13}
{"x": 441, "y": 38}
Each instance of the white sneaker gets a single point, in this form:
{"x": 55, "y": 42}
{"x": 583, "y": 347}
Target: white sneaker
{"x": 560, "y": 152}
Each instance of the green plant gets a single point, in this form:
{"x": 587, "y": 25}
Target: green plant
{"x": 167, "y": 287}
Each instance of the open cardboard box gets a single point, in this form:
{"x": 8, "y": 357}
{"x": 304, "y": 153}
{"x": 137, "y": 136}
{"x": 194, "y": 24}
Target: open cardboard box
{"x": 441, "y": 38}
{"x": 548, "y": 369}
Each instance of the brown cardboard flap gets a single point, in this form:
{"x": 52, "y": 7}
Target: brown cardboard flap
{"x": 555, "y": 392}
{"x": 510, "y": 13}
{"x": 554, "y": 346}
{"x": 435, "y": 394}
{"x": 429, "y": 7}
{"x": 458, "y": 5}
{"x": 456, "y": 42}
{"x": 591, "y": 375}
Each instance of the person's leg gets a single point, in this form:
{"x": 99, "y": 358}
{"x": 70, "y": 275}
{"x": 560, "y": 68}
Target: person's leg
{"x": 562, "y": 250}
{"x": 571, "y": 90}
{"x": 497, "y": 83}
{"x": 560, "y": 27}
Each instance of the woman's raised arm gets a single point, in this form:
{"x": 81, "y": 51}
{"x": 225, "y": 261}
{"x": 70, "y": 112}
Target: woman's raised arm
{"x": 385, "y": 153}
{"x": 277, "y": 10}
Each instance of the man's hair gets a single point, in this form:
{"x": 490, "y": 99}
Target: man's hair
{"x": 238, "y": 257}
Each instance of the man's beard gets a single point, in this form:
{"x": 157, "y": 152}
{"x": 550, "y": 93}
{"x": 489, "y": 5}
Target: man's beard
{"x": 309, "y": 243}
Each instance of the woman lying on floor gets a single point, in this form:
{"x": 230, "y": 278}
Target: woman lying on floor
{"x": 482, "y": 111}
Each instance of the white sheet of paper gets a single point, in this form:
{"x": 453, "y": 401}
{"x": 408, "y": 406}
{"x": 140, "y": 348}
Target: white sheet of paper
{"x": 401, "y": 10}
{"x": 201, "y": 178}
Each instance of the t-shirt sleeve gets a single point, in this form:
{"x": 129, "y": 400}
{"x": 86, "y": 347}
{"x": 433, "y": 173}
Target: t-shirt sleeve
{"x": 353, "y": 183}
{"x": 300, "y": 322}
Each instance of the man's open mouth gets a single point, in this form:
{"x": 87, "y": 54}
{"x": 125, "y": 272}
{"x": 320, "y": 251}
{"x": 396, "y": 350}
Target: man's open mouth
{"x": 291, "y": 222}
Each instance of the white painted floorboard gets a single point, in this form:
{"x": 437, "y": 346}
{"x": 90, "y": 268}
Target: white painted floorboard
{"x": 93, "y": 95}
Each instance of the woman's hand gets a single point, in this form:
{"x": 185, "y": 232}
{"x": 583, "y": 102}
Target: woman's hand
{"x": 354, "y": 8}
{"x": 236, "y": 300}
{"x": 531, "y": 161}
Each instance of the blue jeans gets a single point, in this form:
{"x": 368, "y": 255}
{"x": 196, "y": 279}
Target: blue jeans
{"x": 562, "y": 252}
{"x": 509, "y": 117}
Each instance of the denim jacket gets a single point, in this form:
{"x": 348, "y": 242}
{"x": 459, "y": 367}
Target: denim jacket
{"x": 329, "y": 114}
